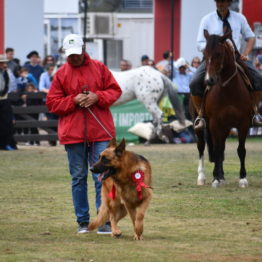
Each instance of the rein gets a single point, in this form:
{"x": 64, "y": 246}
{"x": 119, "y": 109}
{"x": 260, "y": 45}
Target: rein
{"x": 235, "y": 73}
{"x": 230, "y": 78}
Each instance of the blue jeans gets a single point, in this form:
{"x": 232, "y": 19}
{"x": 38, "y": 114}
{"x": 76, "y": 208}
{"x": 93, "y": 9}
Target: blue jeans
{"x": 78, "y": 160}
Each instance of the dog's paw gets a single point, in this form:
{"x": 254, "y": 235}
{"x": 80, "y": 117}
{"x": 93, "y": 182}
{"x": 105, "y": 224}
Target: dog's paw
{"x": 136, "y": 237}
{"x": 117, "y": 233}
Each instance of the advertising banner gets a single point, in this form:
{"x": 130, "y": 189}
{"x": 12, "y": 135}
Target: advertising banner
{"x": 126, "y": 116}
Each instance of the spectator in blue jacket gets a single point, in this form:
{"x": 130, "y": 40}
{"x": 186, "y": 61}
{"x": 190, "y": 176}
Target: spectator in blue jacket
{"x": 33, "y": 65}
{"x": 25, "y": 78}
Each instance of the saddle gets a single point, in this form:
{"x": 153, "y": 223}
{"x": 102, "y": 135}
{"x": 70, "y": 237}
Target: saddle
{"x": 243, "y": 70}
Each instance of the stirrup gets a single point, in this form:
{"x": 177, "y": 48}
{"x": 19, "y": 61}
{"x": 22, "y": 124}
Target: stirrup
{"x": 199, "y": 123}
{"x": 257, "y": 120}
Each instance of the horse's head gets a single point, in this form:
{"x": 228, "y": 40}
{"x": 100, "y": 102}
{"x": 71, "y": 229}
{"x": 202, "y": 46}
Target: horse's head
{"x": 214, "y": 54}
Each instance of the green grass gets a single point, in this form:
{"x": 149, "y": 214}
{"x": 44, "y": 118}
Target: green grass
{"x": 184, "y": 222}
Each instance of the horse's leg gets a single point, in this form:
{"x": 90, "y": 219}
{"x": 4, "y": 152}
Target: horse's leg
{"x": 218, "y": 172}
{"x": 241, "y": 150}
{"x": 156, "y": 113}
{"x": 201, "y": 179}
{"x": 218, "y": 136}
{"x": 210, "y": 147}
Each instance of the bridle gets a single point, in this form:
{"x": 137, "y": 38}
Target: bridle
{"x": 226, "y": 45}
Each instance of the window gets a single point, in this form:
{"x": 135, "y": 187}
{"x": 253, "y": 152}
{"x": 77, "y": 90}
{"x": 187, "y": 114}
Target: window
{"x": 69, "y": 26}
{"x": 136, "y": 4}
{"x": 114, "y": 51}
{"x": 54, "y": 36}
{"x": 55, "y": 31}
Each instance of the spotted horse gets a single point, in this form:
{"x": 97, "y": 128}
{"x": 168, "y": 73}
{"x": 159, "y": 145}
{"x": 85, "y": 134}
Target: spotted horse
{"x": 148, "y": 86}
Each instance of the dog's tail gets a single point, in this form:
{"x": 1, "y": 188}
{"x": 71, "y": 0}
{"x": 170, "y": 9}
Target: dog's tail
{"x": 101, "y": 219}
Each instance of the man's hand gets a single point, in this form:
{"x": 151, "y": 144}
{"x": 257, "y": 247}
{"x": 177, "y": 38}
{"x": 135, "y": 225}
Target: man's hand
{"x": 244, "y": 57}
{"x": 86, "y": 100}
{"x": 248, "y": 49}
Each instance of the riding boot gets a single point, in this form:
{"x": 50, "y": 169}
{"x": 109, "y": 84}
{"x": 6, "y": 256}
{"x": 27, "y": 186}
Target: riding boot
{"x": 257, "y": 120}
{"x": 200, "y": 122}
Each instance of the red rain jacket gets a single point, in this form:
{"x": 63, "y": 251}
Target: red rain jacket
{"x": 67, "y": 83}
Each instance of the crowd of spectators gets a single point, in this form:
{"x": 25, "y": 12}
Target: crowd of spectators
{"x": 36, "y": 75}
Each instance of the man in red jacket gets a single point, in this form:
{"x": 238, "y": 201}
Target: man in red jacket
{"x": 81, "y": 93}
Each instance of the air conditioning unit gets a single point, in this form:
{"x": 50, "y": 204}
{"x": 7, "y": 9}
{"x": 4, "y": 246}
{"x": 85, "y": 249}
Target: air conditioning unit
{"x": 100, "y": 25}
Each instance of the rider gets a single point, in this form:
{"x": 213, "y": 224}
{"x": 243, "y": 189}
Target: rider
{"x": 215, "y": 23}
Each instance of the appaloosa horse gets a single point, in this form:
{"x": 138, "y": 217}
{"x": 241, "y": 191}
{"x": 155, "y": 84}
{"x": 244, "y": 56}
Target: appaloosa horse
{"x": 227, "y": 104}
{"x": 148, "y": 85}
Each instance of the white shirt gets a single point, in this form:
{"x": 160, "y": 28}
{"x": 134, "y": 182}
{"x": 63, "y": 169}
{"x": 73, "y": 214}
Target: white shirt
{"x": 214, "y": 25}
{"x": 182, "y": 81}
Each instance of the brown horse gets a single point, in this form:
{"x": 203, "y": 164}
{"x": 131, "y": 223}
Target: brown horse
{"x": 227, "y": 104}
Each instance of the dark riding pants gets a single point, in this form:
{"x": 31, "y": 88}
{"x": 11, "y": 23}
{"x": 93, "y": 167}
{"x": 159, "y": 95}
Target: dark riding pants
{"x": 197, "y": 85}
{"x": 6, "y": 125}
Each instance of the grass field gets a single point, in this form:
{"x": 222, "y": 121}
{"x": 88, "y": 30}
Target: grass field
{"x": 184, "y": 222}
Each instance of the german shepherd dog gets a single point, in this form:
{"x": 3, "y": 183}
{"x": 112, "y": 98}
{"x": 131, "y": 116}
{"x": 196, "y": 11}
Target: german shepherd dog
{"x": 127, "y": 177}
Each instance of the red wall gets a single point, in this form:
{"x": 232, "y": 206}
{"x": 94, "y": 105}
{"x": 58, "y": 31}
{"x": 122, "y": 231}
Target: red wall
{"x": 2, "y": 38}
{"x": 252, "y": 11}
{"x": 162, "y": 13}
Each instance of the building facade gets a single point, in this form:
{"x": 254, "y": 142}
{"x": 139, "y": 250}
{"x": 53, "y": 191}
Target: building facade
{"x": 116, "y": 29}
{"x": 21, "y": 26}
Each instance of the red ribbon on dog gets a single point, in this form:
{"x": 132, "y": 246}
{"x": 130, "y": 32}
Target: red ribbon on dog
{"x": 112, "y": 193}
{"x": 138, "y": 177}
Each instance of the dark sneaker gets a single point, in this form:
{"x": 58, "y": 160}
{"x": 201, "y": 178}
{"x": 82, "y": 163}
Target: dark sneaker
{"x": 82, "y": 228}
{"x": 9, "y": 148}
{"x": 104, "y": 230}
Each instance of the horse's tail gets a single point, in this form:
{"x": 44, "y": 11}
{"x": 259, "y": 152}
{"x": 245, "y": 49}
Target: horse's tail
{"x": 174, "y": 99}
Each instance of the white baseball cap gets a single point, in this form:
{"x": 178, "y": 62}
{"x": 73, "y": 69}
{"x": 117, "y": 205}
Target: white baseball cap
{"x": 73, "y": 44}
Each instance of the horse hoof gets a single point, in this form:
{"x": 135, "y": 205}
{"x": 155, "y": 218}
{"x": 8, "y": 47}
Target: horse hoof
{"x": 165, "y": 139}
{"x": 201, "y": 178}
{"x": 215, "y": 184}
{"x": 201, "y": 182}
{"x": 243, "y": 183}
{"x": 222, "y": 182}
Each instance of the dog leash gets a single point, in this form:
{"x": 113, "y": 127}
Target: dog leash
{"x": 99, "y": 122}
{"x": 85, "y": 91}
{"x": 85, "y": 110}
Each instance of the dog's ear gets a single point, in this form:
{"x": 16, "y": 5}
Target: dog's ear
{"x": 121, "y": 147}
{"x": 112, "y": 143}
